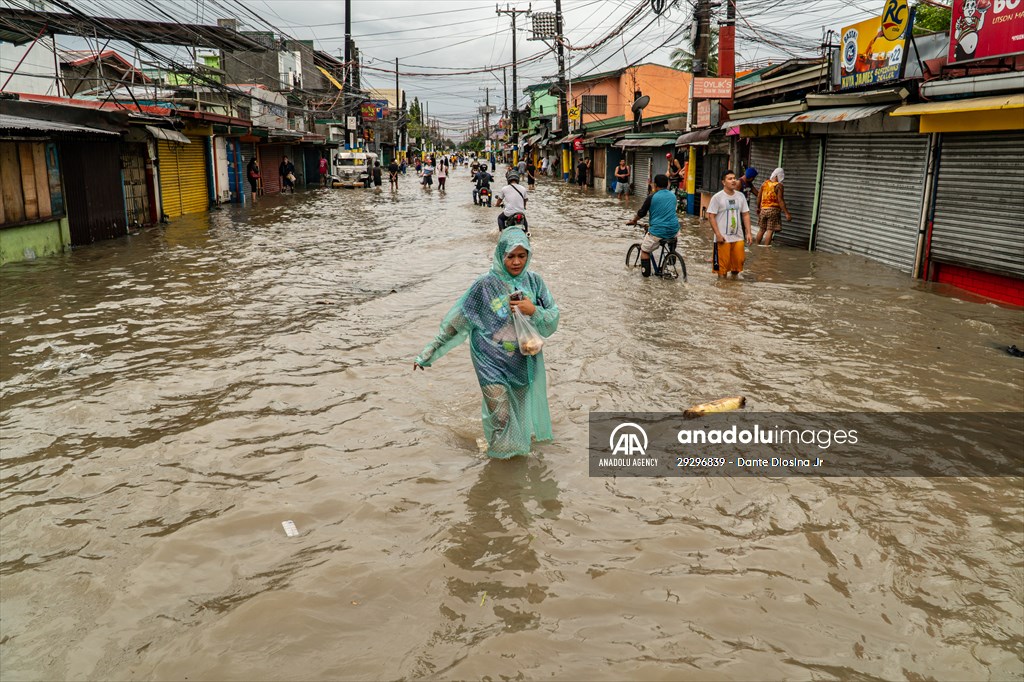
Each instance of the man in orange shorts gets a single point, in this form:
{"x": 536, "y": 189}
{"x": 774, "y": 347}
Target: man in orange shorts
{"x": 730, "y": 221}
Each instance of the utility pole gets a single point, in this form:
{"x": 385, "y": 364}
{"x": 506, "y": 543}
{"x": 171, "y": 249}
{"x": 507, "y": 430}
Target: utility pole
{"x": 701, "y": 49}
{"x": 515, "y": 91}
{"x": 504, "y": 86}
{"x": 397, "y": 112}
{"x": 348, "y": 42}
{"x": 563, "y": 89}
{"x": 487, "y": 113}
{"x": 727, "y": 47}
{"x": 347, "y": 95}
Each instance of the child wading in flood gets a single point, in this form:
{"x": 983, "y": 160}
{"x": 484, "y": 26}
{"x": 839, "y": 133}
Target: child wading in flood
{"x": 514, "y": 387}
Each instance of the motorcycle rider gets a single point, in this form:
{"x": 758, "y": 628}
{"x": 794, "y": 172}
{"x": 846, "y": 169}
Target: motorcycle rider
{"x": 512, "y": 199}
{"x": 483, "y": 180}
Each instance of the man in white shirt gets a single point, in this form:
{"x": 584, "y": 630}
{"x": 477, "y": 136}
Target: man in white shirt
{"x": 512, "y": 199}
{"x": 729, "y": 215}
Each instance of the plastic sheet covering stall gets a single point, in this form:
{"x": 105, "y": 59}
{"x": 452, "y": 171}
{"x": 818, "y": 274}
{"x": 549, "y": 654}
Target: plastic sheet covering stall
{"x": 183, "y": 179}
{"x": 800, "y": 160}
{"x": 979, "y": 202}
{"x": 870, "y": 207}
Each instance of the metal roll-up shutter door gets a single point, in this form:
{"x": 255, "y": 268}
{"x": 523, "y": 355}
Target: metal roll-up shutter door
{"x": 800, "y": 160}
{"x": 312, "y": 166}
{"x": 93, "y": 190}
{"x": 133, "y": 174}
{"x": 868, "y": 207}
{"x": 183, "y": 187}
{"x": 248, "y": 150}
{"x": 641, "y": 173}
{"x": 979, "y": 202}
{"x": 270, "y": 159}
{"x": 659, "y": 163}
{"x": 764, "y": 156}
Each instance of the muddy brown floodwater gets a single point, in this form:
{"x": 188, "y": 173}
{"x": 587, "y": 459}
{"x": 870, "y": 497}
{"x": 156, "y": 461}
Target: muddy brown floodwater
{"x": 170, "y": 398}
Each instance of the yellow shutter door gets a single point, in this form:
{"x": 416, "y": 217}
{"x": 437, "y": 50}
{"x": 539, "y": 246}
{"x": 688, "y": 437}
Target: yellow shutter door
{"x": 183, "y": 177}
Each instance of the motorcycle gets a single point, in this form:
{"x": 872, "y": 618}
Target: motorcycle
{"x": 517, "y": 220}
{"x": 484, "y": 196}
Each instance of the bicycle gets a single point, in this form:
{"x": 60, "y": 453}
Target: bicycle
{"x": 668, "y": 263}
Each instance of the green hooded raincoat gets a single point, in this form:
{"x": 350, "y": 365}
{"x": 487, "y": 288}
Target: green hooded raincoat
{"x": 515, "y": 402}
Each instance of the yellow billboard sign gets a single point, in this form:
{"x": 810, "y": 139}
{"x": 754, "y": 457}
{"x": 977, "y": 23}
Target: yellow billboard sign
{"x": 869, "y": 56}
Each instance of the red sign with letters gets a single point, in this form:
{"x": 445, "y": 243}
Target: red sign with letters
{"x": 982, "y": 29}
{"x": 712, "y": 88}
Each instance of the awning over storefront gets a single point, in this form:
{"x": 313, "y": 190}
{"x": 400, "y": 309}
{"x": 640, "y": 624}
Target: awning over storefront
{"x": 284, "y": 136}
{"x": 646, "y": 142}
{"x": 169, "y": 135}
{"x": 758, "y": 120}
{"x": 957, "y": 106}
{"x": 568, "y": 138}
{"x": 838, "y": 114}
{"x": 697, "y": 137}
{"x": 999, "y": 112}
{"x": 607, "y": 132}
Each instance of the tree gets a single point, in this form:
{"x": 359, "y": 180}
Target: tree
{"x": 416, "y": 128}
{"x": 931, "y": 19}
{"x": 682, "y": 57}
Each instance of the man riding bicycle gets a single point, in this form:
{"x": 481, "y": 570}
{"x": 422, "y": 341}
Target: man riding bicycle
{"x": 513, "y": 198}
{"x": 664, "y": 222}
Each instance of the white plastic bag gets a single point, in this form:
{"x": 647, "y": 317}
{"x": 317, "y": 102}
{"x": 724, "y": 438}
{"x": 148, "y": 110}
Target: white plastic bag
{"x": 530, "y": 340}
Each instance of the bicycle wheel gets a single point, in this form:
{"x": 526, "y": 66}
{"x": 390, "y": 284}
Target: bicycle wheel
{"x": 673, "y": 266}
{"x": 633, "y": 256}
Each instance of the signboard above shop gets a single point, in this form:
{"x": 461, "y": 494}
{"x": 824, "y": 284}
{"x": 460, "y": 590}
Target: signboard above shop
{"x": 868, "y": 56}
{"x": 712, "y": 88}
{"x": 374, "y": 109}
{"x": 708, "y": 113}
{"x": 982, "y": 29}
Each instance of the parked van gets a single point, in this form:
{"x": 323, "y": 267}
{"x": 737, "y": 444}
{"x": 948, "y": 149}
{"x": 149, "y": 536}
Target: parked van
{"x": 351, "y": 168}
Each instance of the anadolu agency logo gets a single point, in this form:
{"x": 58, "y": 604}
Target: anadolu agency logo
{"x": 632, "y": 441}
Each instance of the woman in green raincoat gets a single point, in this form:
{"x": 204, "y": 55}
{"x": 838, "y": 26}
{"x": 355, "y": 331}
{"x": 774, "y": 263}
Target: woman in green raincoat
{"x": 515, "y": 401}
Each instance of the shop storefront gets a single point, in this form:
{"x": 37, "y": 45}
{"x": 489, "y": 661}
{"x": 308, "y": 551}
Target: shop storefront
{"x": 975, "y": 235}
{"x": 871, "y": 193}
{"x": 184, "y": 176}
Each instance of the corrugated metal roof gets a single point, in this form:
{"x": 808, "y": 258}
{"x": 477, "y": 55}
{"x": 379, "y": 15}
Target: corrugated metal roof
{"x": 20, "y": 26}
{"x": 758, "y": 120}
{"x": 837, "y": 114}
{"x": 168, "y": 135}
{"x": 645, "y": 142}
{"x": 608, "y": 132}
{"x": 696, "y": 137}
{"x": 39, "y": 126}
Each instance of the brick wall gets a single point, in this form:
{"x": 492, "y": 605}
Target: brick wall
{"x": 998, "y": 287}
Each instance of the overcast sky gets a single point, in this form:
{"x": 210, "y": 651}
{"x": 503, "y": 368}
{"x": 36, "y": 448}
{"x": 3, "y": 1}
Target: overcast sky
{"x": 453, "y": 35}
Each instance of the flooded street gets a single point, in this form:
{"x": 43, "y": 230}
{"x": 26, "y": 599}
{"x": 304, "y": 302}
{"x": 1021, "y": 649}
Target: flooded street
{"x": 170, "y": 398}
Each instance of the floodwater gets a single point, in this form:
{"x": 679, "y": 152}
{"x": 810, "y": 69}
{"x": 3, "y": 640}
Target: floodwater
{"x": 171, "y": 398}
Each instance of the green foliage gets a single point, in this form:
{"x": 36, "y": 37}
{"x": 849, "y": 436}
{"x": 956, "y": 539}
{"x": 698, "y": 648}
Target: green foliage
{"x": 931, "y": 19}
{"x": 682, "y": 57}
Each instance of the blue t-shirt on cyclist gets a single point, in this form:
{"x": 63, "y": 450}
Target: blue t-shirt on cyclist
{"x": 662, "y": 207}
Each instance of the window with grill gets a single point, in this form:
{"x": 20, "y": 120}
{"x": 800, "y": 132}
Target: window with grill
{"x": 595, "y": 104}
